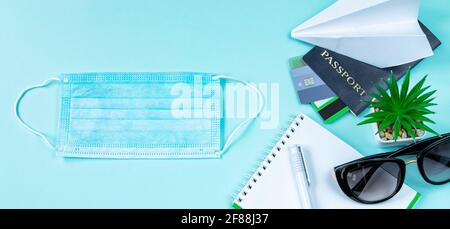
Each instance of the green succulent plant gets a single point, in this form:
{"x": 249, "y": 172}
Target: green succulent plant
{"x": 402, "y": 108}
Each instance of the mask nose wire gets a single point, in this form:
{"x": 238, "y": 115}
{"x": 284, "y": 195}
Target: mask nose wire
{"x": 244, "y": 124}
{"x": 43, "y": 136}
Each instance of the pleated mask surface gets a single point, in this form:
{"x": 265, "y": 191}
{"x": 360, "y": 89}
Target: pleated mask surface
{"x": 140, "y": 115}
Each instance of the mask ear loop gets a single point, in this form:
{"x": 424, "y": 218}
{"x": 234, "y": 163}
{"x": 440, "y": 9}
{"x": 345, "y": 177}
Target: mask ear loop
{"x": 245, "y": 123}
{"x": 43, "y": 136}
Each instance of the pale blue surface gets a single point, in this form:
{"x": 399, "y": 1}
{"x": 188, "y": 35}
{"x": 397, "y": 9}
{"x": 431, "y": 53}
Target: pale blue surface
{"x": 247, "y": 39}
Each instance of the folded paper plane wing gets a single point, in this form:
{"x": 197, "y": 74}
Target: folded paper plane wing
{"x": 383, "y": 33}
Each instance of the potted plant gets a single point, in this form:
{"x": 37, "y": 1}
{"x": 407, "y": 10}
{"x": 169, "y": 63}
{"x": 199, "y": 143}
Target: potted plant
{"x": 400, "y": 116}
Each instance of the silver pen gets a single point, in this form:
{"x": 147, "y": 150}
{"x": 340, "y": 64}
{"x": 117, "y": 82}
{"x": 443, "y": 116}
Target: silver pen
{"x": 302, "y": 177}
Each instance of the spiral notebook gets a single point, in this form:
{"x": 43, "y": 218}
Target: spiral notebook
{"x": 273, "y": 186}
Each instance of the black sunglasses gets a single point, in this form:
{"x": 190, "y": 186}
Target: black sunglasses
{"x": 378, "y": 178}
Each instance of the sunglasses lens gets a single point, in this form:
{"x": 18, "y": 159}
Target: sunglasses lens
{"x": 436, "y": 163}
{"x": 374, "y": 181}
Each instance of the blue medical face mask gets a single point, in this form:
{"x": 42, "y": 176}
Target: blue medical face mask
{"x": 140, "y": 115}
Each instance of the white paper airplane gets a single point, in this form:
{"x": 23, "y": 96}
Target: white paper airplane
{"x": 383, "y": 33}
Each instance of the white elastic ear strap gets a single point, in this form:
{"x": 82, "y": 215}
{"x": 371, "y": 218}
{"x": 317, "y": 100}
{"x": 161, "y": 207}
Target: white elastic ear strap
{"x": 245, "y": 123}
{"x": 44, "y": 137}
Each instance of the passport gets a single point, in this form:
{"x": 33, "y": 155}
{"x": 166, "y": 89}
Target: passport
{"x": 352, "y": 80}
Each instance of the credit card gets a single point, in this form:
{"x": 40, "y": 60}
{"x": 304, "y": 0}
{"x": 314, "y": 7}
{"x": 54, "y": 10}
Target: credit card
{"x": 308, "y": 84}
{"x": 330, "y": 109}
{"x": 311, "y": 88}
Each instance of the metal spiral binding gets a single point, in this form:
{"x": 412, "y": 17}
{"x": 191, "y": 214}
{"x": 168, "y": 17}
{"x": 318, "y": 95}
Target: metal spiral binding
{"x": 263, "y": 164}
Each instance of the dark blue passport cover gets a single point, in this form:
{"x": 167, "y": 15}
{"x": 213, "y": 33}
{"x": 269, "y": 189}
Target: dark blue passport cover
{"x": 353, "y": 80}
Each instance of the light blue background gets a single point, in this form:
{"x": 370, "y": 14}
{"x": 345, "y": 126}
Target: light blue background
{"x": 248, "y": 39}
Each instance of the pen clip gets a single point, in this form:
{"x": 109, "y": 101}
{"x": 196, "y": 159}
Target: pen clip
{"x": 305, "y": 166}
